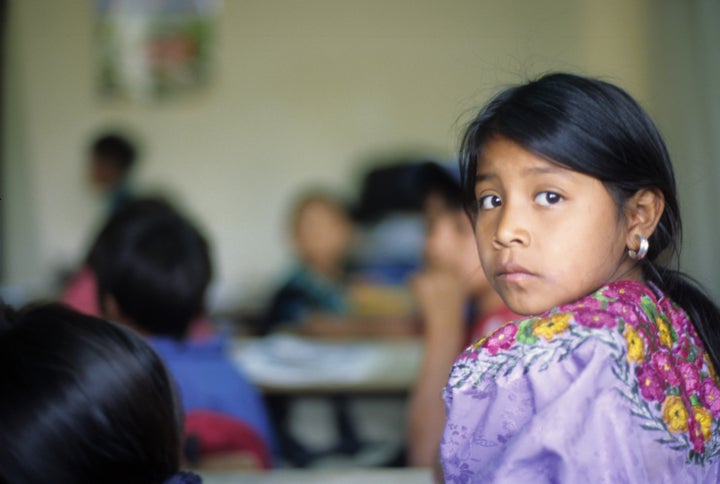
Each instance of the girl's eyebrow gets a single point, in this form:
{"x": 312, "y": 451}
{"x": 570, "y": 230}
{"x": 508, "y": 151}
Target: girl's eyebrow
{"x": 534, "y": 170}
{"x": 547, "y": 169}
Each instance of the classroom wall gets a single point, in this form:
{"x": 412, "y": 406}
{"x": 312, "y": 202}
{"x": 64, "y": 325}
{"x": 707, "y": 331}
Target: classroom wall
{"x": 304, "y": 92}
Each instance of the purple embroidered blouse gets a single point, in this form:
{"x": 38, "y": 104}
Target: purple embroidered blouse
{"x": 615, "y": 387}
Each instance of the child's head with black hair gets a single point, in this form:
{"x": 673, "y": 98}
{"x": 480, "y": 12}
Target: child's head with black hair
{"x": 112, "y": 156}
{"x": 570, "y": 187}
{"x": 152, "y": 267}
{"x": 83, "y": 401}
{"x": 439, "y": 185}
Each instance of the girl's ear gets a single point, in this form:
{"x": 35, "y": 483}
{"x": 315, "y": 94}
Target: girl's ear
{"x": 642, "y": 214}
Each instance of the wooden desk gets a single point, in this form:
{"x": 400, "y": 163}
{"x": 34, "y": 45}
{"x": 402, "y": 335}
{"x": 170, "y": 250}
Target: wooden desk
{"x": 292, "y": 364}
{"x": 307, "y": 476}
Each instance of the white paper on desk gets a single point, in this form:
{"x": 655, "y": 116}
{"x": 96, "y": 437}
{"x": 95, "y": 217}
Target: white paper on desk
{"x": 293, "y": 361}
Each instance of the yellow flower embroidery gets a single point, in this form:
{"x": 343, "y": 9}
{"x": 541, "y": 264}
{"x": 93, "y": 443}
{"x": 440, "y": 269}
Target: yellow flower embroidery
{"x": 664, "y": 329}
{"x": 549, "y": 327}
{"x": 704, "y": 419}
{"x": 636, "y": 347}
{"x": 675, "y": 414}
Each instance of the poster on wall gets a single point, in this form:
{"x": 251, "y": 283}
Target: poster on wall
{"x": 154, "y": 49}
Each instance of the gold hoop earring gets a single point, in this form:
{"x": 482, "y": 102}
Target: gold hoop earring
{"x": 642, "y": 250}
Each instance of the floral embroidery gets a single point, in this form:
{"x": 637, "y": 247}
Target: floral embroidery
{"x": 710, "y": 396}
{"x": 658, "y": 360}
{"x": 675, "y": 414}
{"x": 665, "y": 332}
{"x": 652, "y": 387}
{"x": 551, "y": 326}
{"x": 636, "y": 347}
{"x": 501, "y": 339}
{"x": 704, "y": 419}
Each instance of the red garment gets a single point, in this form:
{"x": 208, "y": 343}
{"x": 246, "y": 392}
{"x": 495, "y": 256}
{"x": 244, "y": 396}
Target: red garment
{"x": 220, "y": 434}
{"x": 81, "y": 293}
{"x": 489, "y": 322}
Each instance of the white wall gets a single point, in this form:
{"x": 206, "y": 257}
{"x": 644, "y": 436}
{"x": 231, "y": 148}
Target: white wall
{"x": 685, "y": 98}
{"x": 304, "y": 91}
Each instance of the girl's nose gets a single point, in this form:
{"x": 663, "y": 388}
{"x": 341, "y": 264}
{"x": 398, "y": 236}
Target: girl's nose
{"x": 512, "y": 228}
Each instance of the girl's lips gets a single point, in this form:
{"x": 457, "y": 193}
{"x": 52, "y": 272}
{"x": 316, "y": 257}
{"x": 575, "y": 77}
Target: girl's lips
{"x": 513, "y": 273}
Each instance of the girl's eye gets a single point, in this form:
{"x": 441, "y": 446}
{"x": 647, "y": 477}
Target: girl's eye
{"x": 488, "y": 202}
{"x": 546, "y": 199}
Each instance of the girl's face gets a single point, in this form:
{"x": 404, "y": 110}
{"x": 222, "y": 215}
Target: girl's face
{"x": 547, "y": 235}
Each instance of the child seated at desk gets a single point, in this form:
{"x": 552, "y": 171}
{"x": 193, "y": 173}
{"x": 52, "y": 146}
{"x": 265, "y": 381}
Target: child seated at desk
{"x": 153, "y": 268}
{"x": 315, "y": 299}
{"x": 321, "y": 234}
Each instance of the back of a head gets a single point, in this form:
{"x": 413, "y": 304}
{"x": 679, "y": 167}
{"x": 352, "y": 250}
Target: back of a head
{"x": 116, "y": 149}
{"x": 83, "y": 401}
{"x": 433, "y": 179}
{"x": 155, "y": 265}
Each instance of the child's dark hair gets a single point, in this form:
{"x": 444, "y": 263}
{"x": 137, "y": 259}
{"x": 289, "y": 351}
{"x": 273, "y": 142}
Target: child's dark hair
{"x": 83, "y": 401}
{"x": 115, "y": 148}
{"x": 155, "y": 264}
{"x": 596, "y": 128}
{"x": 434, "y": 179}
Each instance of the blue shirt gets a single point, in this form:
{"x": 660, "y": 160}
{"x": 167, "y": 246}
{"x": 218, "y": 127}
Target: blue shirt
{"x": 207, "y": 380}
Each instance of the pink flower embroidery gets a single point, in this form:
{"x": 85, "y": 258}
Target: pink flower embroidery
{"x": 651, "y": 386}
{"x": 683, "y": 349}
{"x": 710, "y": 396}
{"x": 596, "y": 319}
{"x": 690, "y": 377}
{"x": 624, "y": 290}
{"x": 502, "y": 339}
{"x": 665, "y": 367}
{"x": 696, "y": 435}
{"x": 584, "y": 304}
{"x": 625, "y": 311}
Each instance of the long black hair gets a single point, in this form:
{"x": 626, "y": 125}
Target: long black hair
{"x": 598, "y": 129}
{"x": 83, "y": 400}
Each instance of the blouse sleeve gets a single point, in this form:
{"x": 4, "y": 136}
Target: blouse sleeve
{"x": 541, "y": 421}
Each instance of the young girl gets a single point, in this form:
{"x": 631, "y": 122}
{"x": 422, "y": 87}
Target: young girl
{"x": 611, "y": 376}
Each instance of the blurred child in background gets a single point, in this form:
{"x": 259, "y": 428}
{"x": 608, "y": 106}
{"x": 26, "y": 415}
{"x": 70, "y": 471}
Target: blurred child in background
{"x": 84, "y": 401}
{"x": 456, "y": 303}
{"x": 316, "y": 298}
{"x": 321, "y": 233}
{"x": 153, "y": 268}
{"x": 112, "y": 157}
{"x": 81, "y": 292}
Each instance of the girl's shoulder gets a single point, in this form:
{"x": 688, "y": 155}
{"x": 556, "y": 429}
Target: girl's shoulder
{"x": 618, "y": 308}
{"x": 657, "y": 360}
{"x": 601, "y": 315}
